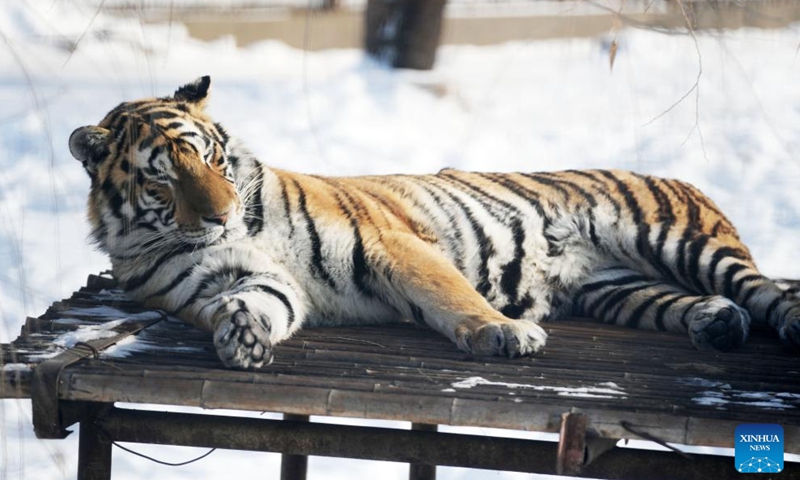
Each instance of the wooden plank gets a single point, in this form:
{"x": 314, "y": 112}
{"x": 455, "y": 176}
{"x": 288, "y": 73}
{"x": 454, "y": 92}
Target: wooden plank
{"x": 431, "y": 383}
{"x": 301, "y": 400}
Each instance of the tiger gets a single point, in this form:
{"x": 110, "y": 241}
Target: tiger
{"x": 196, "y": 225}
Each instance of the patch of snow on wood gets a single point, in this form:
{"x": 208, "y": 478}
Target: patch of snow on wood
{"x": 603, "y": 390}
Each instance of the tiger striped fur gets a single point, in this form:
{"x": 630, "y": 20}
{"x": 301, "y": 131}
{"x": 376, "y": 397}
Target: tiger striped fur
{"x": 197, "y": 226}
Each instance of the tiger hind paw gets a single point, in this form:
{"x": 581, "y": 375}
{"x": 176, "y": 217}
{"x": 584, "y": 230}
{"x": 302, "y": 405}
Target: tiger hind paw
{"x": 719, "y": 324}
{"x": 789, "y": 330}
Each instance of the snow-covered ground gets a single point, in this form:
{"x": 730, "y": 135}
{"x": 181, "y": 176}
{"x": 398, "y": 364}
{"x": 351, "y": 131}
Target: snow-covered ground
{"x": 524, "y": 106}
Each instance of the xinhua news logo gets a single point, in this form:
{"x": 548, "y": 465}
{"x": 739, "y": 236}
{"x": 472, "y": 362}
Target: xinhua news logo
{"x": 759, "y": 448}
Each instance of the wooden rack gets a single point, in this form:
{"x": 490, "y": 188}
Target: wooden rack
{"x": 593, "y": 384}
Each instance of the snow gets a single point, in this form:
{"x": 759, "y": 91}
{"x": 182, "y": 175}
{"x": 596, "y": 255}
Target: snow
{"x": 16, "y": 367}
{"x": 83, "y": 334}
{"x": 142, "y": 343}
{"x": 767, "y": 399}
{"x": 529, "y": 106}
{"x": 110, "y": 312}
{"x": 721, "y": 400}
{"x": 88, "y": 332}
{"x": 603, "y": 390}
{"x": 92, "y": 331}
{"x": 702, "y": 382}
{"x": 721, "y": 394}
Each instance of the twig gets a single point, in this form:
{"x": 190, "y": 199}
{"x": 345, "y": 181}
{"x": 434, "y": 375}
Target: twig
{"x": 85, "y": 31}
{"x": 695, "y": 88}
{"x": 359, "y": 340}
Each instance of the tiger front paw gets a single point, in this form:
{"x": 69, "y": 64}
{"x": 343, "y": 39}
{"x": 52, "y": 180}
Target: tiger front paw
{"x": 513, "y": 339}
{"x": 242, "y": 339}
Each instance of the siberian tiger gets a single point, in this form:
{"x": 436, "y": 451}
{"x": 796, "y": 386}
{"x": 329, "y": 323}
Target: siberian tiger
{"x": 194, "y": 224}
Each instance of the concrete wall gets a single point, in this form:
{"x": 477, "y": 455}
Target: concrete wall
{"x": 343, "y": 28}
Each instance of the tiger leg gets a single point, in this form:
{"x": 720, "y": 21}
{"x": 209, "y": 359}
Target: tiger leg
{"x": 248, "y": 311}
{"x": 428, "y": 288}
{"x": 253, "y": 317}
{"x": 725, "y": 270}
{"x": 623, "y": 296}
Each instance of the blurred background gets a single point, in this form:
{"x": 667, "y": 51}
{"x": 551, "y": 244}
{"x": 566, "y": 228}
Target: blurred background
{"x": 706, "y": 91}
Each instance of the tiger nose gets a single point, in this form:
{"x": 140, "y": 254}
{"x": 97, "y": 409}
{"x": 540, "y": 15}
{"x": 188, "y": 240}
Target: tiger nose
{"x": 218, "y": 219}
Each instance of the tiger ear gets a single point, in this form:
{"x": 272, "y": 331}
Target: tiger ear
{"x": 89, "y": 144}
{"x": 195, "y": 92}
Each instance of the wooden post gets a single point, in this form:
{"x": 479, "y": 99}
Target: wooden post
{"x": 572, "y": 444}
{"x": 294, "y": 467}
{"x": 94, "y": 453}
{"x": 418, "y": 471}
{"x": 404, "y": 33}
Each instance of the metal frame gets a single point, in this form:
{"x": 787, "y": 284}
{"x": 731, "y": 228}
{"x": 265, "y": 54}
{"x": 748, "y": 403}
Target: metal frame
{"x": 297, "y": 438}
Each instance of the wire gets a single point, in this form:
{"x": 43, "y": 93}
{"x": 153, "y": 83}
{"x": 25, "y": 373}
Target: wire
{"x": 160, "y": 462}
{"x": 95, "y": 351}
{"x": 629, "y": 427}
{"x": 146, "y": 457}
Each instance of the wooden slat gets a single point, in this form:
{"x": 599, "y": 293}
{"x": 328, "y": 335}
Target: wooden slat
{"x": 397, "y": 406}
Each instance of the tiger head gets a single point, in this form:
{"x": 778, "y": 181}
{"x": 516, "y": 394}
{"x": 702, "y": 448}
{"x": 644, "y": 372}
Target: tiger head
{"x": 160, "y": 175}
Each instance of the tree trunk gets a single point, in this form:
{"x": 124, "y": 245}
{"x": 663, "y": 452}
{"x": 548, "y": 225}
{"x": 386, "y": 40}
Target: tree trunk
{"x": 404, "y": 33}
{"x": 330, "y": 4}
